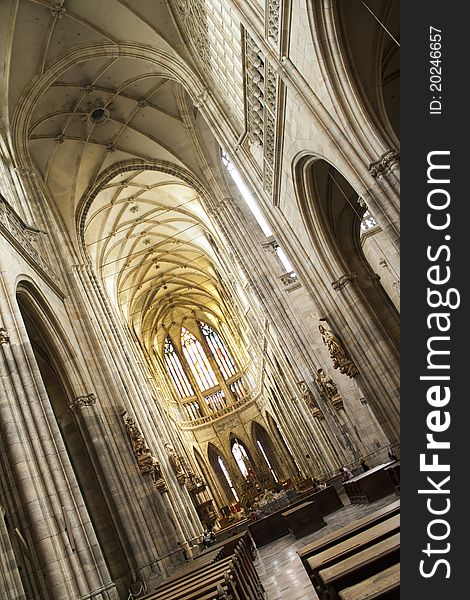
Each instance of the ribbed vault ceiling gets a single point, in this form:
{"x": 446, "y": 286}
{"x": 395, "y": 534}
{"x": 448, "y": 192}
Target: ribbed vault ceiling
{"x": 148, "y": 236}
{"x": 118, "y": 101}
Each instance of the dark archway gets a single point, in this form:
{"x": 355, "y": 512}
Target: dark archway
{"x": 39, "y": 322}
{"x": 265, "y": 446}
{"x": 224, "y": 475}
{"x": 370, "y": 37}
{"x": 279, "y": 436}
{"x": 333, "y": 213}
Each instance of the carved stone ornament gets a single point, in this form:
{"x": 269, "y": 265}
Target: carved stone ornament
{"x": 4, "y": 337}
{"x": 202, "y": 98}
{"x": 148, "y": 464}
{"x": 195, "y": 483}
{"x": 339, "y": 356}
{"x": 328, "y": 389}
{"x": 58, "y": 11}
{"x": 343, "y": 281}
{"x": 83, "y": 401}
{"x": 309, "y": 400}
{"x": 385, "y": 163}
{"x": 175, "y": 463}
{"x": 337, "y": 403}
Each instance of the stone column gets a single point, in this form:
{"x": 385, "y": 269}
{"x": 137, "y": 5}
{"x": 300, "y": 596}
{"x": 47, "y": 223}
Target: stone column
{"x": 61, "y": 530}
{"x": 11, "y": 587}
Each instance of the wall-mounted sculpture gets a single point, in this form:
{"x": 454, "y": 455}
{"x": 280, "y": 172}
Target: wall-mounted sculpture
{"x": 339, "y": 356}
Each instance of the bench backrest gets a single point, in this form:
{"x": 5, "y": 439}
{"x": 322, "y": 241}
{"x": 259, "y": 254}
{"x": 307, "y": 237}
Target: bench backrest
{"x": 378, "y": 586}
{"x": 348, "y": 531}
{"x": 361, "y": 561}
{"x": 354, "y": 544}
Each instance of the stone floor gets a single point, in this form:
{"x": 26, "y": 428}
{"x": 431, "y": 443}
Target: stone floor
{"x": 279, "y": 566}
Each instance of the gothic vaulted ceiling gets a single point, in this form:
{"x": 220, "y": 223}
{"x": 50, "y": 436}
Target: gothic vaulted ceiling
{"x": 99, "y": 104}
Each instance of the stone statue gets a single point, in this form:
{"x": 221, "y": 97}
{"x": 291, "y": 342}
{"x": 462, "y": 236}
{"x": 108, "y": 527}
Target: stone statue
{"x": 174, "y": 459}
{"x": 328, "y": 388}
{"x": 136, "y": 438}
{"x": 175, "y": 463}
{"x": 148, "y": 464}
{"x": 309, "y": 400}
{"x": 326, "y": 385}
{"x": 337, "y": 352}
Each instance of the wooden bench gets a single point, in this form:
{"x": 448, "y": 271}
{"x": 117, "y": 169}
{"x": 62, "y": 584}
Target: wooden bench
{"x": 223, "y": 588}
{"x": 204, "y": 562}
{"x": 327, "y": 500}
{"x": 228, "y": 546}
{"x": 304, "y": 519}
{"x": 393, "y": 471}
{"x": 232, "y": 530}
{"x": 234, "y": 575}
{"x": 369, "y": 486}
{"x": 348, "y": 531}
{"x": 360, "y": 566}
{"x": 350, "y": 546}
{"x": 273, "y": 526}
{"x": 381, "y": 586}
{"x": 231, "y": 569}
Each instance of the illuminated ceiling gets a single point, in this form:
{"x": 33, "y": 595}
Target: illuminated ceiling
{"x": 100, "y": 99}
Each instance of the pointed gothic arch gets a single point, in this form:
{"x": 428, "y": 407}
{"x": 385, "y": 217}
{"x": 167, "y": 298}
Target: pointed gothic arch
{"x": 53, "y": 357}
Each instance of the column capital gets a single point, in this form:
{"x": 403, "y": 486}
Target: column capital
{"x": 81, "y": 401}
{"x": 343, "y": 281}
{"x": 4, "y": 337}
{"x": 385, "y": 163}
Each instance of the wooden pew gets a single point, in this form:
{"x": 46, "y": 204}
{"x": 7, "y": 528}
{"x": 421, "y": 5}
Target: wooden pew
{"x": 191, "y": 567}
{"x": 228, "y": 545}
{"x": 230, "y": 569}
{"x": 350, "y": 546}
{"x": 237, "y": 570}
{"x": 327, "y": 500}
{"x": 244, "y": 584}
{"x": 204, "y": 563}
{"x": 360, "y": 566}
{"x": 347, "y": 531}
{"x": 381, "y": 586}
{"x": 232, "y": 530}
{"x": 304, "y": 519}
{"x": 369, "y": 486}
{"x": 273, "y": 526}
{"x": 222, "y": 588}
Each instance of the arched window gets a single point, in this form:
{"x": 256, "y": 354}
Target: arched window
{"x": 368, "y": 221}
{"x": 216, "y": 401}
{"x": 273, "y": 472}
{"x": 175, "y": 368}
{"x": 227, "y": 477}
{"x": 238, "y": 389}
{"x": 241, "y": 457}
{"x": 220, "y": 351}
{"x": 198, "y": 361}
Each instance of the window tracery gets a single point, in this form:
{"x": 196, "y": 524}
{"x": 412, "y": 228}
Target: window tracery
{"x": 198, "y": 361}
{"x": 241, "y": 457}
{"x": 175, "y": 368}
{"x": 220, "y": 351}
{"x": 227, "y": 477}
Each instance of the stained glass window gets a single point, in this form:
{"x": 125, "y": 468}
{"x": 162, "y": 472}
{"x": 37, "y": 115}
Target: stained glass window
{"x": 216, "y": 401}
{"x": 227, "y": 477}
{"x": 260, "y": 446}
{"x": 192, "y": 411}
{"x": 241, "y": 458}
{"x": 220, "y": 351}
{"x": 238, "y": 389}
{"x": 368, "y": 222}
{"x": 175, "y": 368}
{"x": 198, "y": 361}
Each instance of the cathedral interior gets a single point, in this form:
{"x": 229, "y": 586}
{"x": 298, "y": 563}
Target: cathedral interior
{"x": 199, "y": 272}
